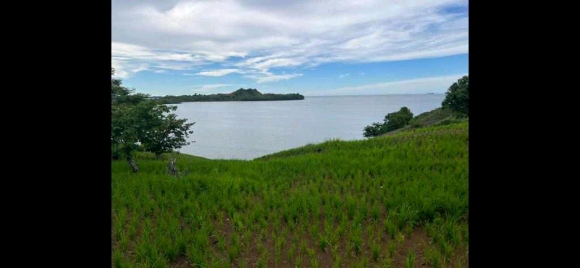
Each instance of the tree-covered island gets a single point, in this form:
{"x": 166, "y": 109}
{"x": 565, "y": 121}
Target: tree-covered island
{"x": 241, "y": 94}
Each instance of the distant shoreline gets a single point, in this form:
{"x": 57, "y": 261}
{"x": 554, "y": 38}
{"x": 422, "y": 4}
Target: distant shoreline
{"x": 238, "y": 95}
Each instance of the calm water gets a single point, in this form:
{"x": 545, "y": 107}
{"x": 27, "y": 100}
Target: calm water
{"x": 246, "y": 130}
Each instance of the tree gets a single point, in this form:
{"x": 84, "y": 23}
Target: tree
{"x": 392, "y": 121}
{"x": 138, "y": 123}
{"x": 162, "y": 131}
{"x": 123, "y": 134}
{"x": 374, "y": 130}
{"x": 457, "y": 97}
{"x": 398, "y": 119}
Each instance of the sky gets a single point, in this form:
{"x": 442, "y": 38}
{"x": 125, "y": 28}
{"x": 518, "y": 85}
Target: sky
{"x": 311, "y": 47}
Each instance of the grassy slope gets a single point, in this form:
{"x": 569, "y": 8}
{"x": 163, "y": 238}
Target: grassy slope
{"x": 435, "y": 117}
{"x": 392, "y": 200}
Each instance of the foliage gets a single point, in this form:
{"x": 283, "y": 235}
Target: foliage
{"x": 457, "y": 97}
{"x": 392, "y": 122}
{"x": 160, "y": 131}
{"x": 139, "y": 123}
{"x": 376, "y": 129}
{"x": 398, "y": 119}
{"x": 241, "y": 94}
{"x": 431, "y": 118}
{"x": 124, "y": 136}
{"x": 455, "y": 108}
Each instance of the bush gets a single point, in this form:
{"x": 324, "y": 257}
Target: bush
{"x": 398, "y": 119}
{"x": 392, "y": 121}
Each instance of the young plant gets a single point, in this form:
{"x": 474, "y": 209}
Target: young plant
{"x": 291, "y": 250}
{"x": 298, "y": 261}
{"x": 391, "y": 248}
{"x": 314, "y": 263}
{"x": 410, "y": 260}
{"x": 434, "y": 257}
{"x": 376, "y": 249}
{"x": 337, "y": 261}
{"x": 322, "y": 243}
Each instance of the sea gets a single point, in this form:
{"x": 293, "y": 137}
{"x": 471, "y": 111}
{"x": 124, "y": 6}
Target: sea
{"x": 245, "y": 130}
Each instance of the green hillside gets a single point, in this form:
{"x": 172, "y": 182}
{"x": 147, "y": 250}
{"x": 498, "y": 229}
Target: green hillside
{"x": 436, "y": 117}
{"x": 241, "y": 94}
{"x": 399, "y": 200}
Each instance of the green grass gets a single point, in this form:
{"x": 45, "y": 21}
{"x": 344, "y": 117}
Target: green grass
{"x": 436, "y": 117}
{"x": 337, "y": 203}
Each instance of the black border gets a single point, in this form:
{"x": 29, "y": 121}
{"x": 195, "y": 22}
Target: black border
{"x": 93, "y": 173}
{"x": 63, "y": 121}
{"x": 497, "y": 171}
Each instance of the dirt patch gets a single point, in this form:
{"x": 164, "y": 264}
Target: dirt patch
{"x": 417, "y": 243}
{"x": 180, "y": 262}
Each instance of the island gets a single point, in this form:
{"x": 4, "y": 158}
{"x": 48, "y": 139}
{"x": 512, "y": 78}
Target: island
{"x": 241, "y": 94}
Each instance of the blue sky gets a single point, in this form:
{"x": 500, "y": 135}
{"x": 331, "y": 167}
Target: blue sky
{"x": 316, "y": 47}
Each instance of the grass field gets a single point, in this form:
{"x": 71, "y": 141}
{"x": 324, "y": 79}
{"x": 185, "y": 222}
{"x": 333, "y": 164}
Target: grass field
{"x": 399, "y": 200}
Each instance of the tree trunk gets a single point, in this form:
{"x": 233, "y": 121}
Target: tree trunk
{"x": 171, "y": 169}
{"x": 132, "y": 164}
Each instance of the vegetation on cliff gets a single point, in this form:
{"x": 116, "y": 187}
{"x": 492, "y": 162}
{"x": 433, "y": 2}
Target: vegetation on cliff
{"x": 241, "y": 94}
{"x": 454, "y": 108}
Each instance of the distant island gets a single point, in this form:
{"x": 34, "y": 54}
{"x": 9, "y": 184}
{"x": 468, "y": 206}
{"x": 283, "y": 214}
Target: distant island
{"x": 241, "y": 94}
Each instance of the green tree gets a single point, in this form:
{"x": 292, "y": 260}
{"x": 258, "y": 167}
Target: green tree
{"x": 398, "y": 119}
{"x": 138, "y": 123}
{"x": 161, "y": 131}
{"x": 374, "y": 130}
{"x": 457, "y": 97}
{"x": 392, "y": 121}
{"x": 124, "y": 140}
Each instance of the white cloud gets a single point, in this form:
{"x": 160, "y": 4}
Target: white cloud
{"x": 204, "y": 88}
{"x": 343, "y": 75}
{"x": 126, "y": 68}
{"x": 265, "y": 77}
{"x": 280, "y": 34}
{"x": 221, "y": 72}
{"x": 272, "y": 63}
{"x": 128, "y": 51}
{"x": 128, "y": 59}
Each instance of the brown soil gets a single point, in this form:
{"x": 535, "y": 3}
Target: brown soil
{"x": 263, "y": 248}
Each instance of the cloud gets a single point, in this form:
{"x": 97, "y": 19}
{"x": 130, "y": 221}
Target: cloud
{"x": 205, "y": 88}
{"x": 273, "y": 63}
{"x": 128, "y": 59}
{"x": 438, "y": 84}
{"x": 258, "y": 36}
{"x": 126, "y": 68}
{"x": 221, "y": 72}
{"x": 266, "y": 77}
{"x": 343, "y": 75}
{"x": 128, "y": 51}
